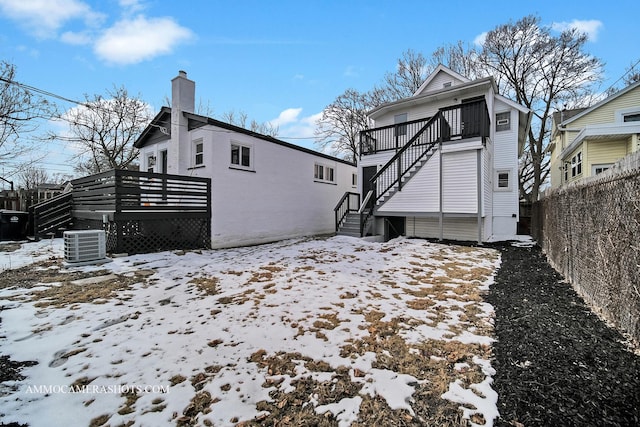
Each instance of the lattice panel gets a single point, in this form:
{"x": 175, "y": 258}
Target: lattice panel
{"x": 153, "y": 235}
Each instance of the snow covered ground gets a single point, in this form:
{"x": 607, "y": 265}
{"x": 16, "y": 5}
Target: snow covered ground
{"x": 221, "y": 337}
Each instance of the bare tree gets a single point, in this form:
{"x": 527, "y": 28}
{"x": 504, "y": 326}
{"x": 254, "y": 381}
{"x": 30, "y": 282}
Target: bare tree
{"x": 341, "y": 122}
{"x": 31, "y": 177}
{"x": 20, "y": 110}
{"x": 240, "y": 119}
{"x": 104, "y": 130}
{"x": 461, "y": 58}
{"x": 539, "y": 70}
{"x": 411, "y": 71}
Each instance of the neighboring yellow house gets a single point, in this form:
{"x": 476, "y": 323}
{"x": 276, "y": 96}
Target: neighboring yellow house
{"x": 585, "y": 142}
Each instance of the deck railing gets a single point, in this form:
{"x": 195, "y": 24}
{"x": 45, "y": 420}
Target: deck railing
{"x": 122, "y": 191}
{"x": 466, "y": 120}
{"x": 456, "y": 122}
{"x": 390, "y": 137}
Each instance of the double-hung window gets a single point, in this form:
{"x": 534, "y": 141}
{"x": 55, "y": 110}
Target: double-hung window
{"x": 198, "y": 153}
{"x": 576, "y": 165}
{"x": 241, "y": 156}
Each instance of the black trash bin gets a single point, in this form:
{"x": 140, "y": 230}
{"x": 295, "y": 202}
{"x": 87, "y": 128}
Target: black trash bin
{"x": 13, "y": 225}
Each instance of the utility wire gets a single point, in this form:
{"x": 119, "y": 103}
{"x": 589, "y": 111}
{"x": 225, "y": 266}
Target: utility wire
{"x": 104, "y": 108}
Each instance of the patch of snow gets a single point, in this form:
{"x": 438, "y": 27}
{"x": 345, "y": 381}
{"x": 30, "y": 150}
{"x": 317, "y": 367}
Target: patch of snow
{"x": 268, "y": 298}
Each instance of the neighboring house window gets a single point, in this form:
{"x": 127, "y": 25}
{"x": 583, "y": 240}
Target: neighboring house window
{"x": 503, "y": 121}
{"x": 596, "y": 169}
{"x": 398, "y": 119}
{"x": 198, "y": 153}
{"x": 566, "y": 171}
{"x": 503, "y": 180}
{"x": 323, "y": 173}
{"x": 354, "y": 179}
{"x": 241, "y": 155}
{"x": 576, "y": 165}
{"x": 635, "y": 117}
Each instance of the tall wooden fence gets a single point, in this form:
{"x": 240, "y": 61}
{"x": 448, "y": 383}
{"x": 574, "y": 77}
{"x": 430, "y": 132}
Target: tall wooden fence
{"x": 591, "y": 234}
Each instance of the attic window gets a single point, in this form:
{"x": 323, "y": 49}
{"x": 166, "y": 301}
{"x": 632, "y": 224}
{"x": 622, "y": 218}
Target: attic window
{"x": 447, "y": 84}
{"x": 631, "y": 117}
{"x": 503, "y": 121}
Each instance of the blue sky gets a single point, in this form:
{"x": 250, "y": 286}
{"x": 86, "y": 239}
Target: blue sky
{"x": 277, "y": 61}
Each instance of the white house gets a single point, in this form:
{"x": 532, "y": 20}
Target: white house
{"x": 443, "y": 163}
{"x": 263, "y": 189}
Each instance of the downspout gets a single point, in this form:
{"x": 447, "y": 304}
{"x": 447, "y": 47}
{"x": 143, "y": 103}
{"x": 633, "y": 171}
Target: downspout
{"x": 479, "y": 185}
{"x": 441, "y": 175}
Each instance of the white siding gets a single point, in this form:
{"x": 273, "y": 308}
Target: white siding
{"x": 459, "y": 186}
{"x": 421, "y": 193}
{"x": 487, "y": 185}
{"x": 453, "y": 228}
{"x": 438, "y": 81}
{"x": 505, "y": 203}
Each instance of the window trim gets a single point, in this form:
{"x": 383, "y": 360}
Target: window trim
{"x": 151, "y": 161}
{"x": 623, "y": 112}
{"x": 196, "y": 153}
{"x": 603, "y": 166}
{"x": 509, "y": 186}
{"x": 576, "y": 164}
{"x": 241, "y": 146}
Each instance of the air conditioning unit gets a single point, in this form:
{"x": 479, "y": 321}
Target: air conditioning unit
{"x": 85, "y": 246}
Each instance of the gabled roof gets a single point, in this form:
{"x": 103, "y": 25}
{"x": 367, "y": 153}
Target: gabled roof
{"x": 440, "y": 69}
{"x": 448, "y": 92}
{"x": 601, "y": 103}
{"x": 159, "y": 124}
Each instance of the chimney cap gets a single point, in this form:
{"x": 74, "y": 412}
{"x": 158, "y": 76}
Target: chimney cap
{"x": 182, "y": 73}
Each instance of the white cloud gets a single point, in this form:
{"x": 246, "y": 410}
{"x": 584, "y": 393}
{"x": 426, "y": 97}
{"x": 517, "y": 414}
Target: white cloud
{"x": 480, "y": 38}
{"x": 43, "y": 18}
{"x": 589, "y": 27}
{"x": 134, "y": 40}
{"x": 288, "y": 116}
{"x": 295, "y": 129}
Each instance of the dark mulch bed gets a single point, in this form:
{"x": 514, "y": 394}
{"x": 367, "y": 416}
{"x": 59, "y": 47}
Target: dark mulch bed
{"x": 557, "y": 363}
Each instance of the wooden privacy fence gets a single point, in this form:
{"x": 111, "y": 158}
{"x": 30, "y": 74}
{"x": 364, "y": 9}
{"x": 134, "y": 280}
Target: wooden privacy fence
{"x": 591, "y": 234}
{"x": 144, "y": 212}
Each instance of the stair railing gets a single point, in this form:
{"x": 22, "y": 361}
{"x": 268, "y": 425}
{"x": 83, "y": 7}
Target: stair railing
{"x": 366, "y": 212}
{"x": 407, "y": 157}
{"x": 350, "y": 202}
